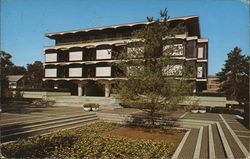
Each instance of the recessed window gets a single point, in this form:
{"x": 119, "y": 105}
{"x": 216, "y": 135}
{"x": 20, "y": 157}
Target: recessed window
{"x": 75, "y": 72}
{"x": 199, "y": 72}
{"x": 200, "y": 52}
{"x": 50, "y": 72}
{"x": 135, "y": 52}
{"x": 172, "y": 70}
{"x": 103, "y": 54}
{"x": 103, "y": 71}
{"x": 173, "y": 50}
{"x": 75, "y": 56}
{"x": 52, "y": 57}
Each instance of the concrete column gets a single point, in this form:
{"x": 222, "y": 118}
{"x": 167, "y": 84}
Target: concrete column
{"x": 85, "y": 90}
{"x": 107, "y": 89}
{"x": 56, "y": 85}
{"x": 80, "y": 89}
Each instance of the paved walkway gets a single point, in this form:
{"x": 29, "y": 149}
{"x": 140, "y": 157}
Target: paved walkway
{"x": 224, "y": 137}
{"x": 213, "y": 136}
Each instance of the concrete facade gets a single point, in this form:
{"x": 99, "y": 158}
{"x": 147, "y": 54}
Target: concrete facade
{"x": 81, "y": 59}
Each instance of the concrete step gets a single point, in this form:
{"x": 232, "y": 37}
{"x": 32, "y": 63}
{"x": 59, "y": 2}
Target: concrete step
{"x": 189, "y": 123}
{"x": 237, "y": 153}
{"x": 189, "y": 146}
{"x": 21, "y": 128}
{"x": 33, "y": 122}
{"x": 212, "y": 141}
{"x": 43, "y": 126}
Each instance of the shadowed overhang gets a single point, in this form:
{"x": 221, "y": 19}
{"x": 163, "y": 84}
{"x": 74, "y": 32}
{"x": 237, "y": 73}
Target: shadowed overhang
{"x": 192, "y": 21}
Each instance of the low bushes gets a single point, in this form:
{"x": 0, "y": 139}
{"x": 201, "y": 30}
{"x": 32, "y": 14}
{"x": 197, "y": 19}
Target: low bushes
{"x": 91, "y": 105}
{"x": 86, "y": 142}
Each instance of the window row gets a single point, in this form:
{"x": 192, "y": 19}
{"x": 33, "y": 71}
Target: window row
{"x": 107, "y": 54}
{"x": 170, "y": 70}
{"x": 78, "y": 55}
{"x": 78, "y": 72}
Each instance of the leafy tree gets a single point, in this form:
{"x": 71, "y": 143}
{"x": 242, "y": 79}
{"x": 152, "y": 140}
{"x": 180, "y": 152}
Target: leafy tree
{"x": 34, "y": 75}
{"x": 17, "y": 70}
{"x": 152, "y": 82}
{"x": 5, "y": 64}
{"x": 234, "y": 78}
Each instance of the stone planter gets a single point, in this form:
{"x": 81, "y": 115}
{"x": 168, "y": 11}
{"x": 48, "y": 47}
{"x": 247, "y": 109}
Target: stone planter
{"x": 87, "y": 109}
{"x": 202, "y": 111}
{"x": 95, "y": 109}
{"x": 195, "y": 111}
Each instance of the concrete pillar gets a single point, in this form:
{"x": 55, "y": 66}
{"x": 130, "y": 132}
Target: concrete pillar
{"x": 107, "y": 89}
{"x": 80, "y": 89}
{"x": 56, "y": 85}
{"x": 85, "y": 90}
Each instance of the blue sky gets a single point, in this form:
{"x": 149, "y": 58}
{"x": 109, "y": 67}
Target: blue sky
{"x": 24, "y": 22}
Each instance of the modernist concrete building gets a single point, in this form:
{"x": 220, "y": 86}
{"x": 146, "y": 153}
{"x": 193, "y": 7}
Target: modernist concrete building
{"x": 81, "y": 59}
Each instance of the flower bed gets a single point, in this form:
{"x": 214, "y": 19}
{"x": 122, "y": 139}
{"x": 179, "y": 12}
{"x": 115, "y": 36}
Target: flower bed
{"x": 86, "y": 141}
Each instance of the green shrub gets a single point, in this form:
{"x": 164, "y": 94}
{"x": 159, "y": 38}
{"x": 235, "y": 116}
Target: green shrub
{"x": 91, "y": 105}
{"x": 86, "y": 142}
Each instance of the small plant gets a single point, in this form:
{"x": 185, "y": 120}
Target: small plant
{"x": 91, "y": 106}
{"x": 202, "y": 109}
{"x": 43, "y": 102}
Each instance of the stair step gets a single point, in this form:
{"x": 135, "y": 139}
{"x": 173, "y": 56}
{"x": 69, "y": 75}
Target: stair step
{"x": 190, "y": 144}
{"x": 204, "y": 153}
{"x": 237, "y": 153}
{"x": 226, "y": 146}
{"x": 242, "y": 148}
{"x": 211, "y": 147}
{"x": 218, "y": 146}
{"x": 198, "y": 144}
{"x": 45, "y": 124}
{"x": 43, "y": 130}
{"x": 8, "y": 126}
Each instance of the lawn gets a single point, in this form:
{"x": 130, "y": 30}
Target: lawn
{"x": 102, "y": 140}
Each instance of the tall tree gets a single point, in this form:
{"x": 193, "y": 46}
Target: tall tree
{"x": 5, "y": 65}
{"x": 152, "y": 82}
{"x": 34, "y": 75}
{"x": 234, "y": 78}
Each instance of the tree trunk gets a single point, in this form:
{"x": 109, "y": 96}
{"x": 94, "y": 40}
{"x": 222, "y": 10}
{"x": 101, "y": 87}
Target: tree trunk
{"x": 246, "y": 115}
{"x": 152, "y": 121}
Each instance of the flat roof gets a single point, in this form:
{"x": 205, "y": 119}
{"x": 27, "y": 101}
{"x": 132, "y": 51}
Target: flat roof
{"x": 114, "y": 26}
{"x": 14, "y": 78}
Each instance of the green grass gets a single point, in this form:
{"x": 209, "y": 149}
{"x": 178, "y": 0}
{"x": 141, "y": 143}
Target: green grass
{"x": 86, "y": 142}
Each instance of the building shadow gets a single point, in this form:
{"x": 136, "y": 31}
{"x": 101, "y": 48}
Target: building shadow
{"x": 24, "y": 106}
{"x": 161, "y": 120}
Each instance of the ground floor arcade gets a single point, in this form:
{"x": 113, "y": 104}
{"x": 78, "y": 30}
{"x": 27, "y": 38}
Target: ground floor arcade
{"x": 84, "y": 88}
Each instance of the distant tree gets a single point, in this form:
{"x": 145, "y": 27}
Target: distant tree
{"x": 234, "y": 78}
{"x": 5, "y": 64}
{"x": 151, "y": 74}
{"x": 34, "y": 75}
{"x": 17, "y": 70}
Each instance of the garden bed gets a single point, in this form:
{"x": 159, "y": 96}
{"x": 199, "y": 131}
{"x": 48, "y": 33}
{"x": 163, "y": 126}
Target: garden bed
{"x": 173, "y": 136}
{"x": 99, "y": 140}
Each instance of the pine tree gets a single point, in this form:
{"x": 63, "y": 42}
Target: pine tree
{"x": 234, "y": 76}
{"x": 234, "y": 79}
{"x": 151, "y": 84}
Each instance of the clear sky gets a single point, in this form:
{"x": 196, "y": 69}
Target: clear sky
{"x": 24, "y": 22}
